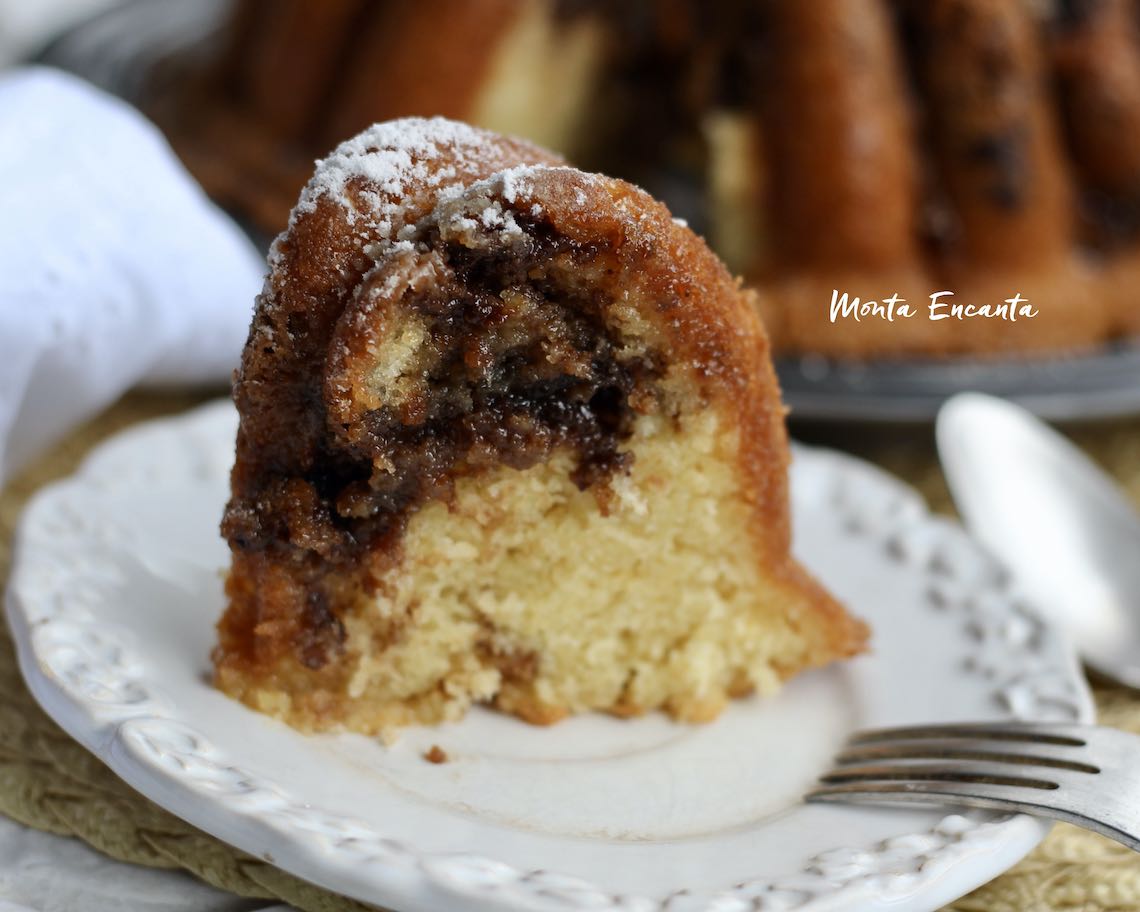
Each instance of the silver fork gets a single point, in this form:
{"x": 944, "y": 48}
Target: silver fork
{"x": 1087, "y": 775}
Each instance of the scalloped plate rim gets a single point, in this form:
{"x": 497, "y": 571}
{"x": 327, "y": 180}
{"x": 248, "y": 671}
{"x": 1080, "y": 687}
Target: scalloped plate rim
{"x": 1010, "y": 838}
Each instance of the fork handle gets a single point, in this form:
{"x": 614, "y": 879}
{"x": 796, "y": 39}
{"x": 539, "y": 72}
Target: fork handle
{"x": 1057, "y": 805}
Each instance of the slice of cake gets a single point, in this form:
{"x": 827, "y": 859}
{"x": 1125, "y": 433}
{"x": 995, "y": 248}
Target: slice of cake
{"x": 509, "y": 434}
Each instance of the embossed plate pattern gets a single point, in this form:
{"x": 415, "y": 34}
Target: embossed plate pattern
{"x": 118, "y": 580}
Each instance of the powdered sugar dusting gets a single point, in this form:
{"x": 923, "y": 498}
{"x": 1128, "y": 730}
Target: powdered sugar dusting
{"x": 475, "y": 214}
{"x": 397, "y": 277}
{"x": 391, "y": 157}
{"x": 489, "y": 207}
{"x": 514, "y": 182}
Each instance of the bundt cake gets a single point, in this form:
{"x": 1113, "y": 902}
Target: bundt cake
{"x": 509, "y": 434}
{"x": 867, "y": 147}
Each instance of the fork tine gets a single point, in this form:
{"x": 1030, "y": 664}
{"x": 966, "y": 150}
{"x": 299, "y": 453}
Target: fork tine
{"x": 1059, "y": 735}
{"x": 1044, "y": 770}
{"x": 983, "y": 795}
{"x": 974, "y": 794}
{"x": 957, "y": 771}
{"x": 1023, "y": 754}
{"x": 961, "y": 794}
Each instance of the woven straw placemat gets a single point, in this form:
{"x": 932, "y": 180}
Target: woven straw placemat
{"x": 49, "y": 782}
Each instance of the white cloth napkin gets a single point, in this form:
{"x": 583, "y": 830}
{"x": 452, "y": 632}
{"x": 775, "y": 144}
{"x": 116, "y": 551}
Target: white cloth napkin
{"x": 26, "y": 25}
{"x": 115, "y": 268}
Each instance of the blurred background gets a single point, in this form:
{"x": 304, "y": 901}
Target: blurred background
{"x": 866, "y": 147}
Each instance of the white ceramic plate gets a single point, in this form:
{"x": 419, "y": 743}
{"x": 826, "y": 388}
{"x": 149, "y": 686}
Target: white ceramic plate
{"x": 118, "y": 582}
